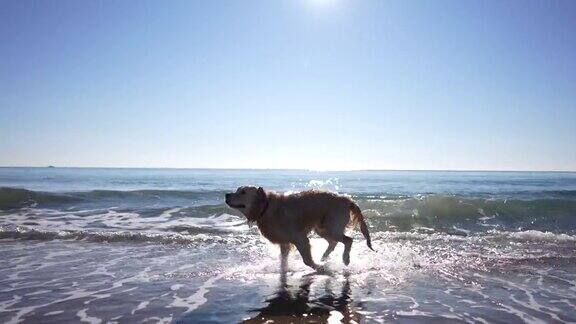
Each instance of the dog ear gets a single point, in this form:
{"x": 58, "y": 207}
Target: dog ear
{"x": 261, "y": 194}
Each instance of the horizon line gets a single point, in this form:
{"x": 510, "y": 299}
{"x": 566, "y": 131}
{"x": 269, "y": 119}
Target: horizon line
{"x": 281, "y": 169}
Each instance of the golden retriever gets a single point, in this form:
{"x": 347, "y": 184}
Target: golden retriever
{"x": 288, "y": 219}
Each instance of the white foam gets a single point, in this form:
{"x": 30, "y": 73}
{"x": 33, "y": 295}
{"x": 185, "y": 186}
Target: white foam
{"x": 331, "y": 184}
{"x": 85, "y": 318}
{"x": 54, "y": 313}
{"x": 176, "y": 287}
{"x": 169, "y": 212}
{"x": 140, "y": 306}
{"x": 39, "y": 292}
{"x": 198, "y": 299}
{"x": 335, "y": 317}
{"x": 533, "y": 235}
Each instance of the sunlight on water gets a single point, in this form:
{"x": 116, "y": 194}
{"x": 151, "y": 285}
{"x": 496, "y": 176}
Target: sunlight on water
{"x": 330, "y": 184}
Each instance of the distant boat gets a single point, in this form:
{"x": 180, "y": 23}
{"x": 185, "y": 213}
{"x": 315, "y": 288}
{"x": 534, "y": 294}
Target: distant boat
{"x": 50, "y": 166}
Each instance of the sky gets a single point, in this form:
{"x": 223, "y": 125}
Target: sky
{"x": 305, "y": 84}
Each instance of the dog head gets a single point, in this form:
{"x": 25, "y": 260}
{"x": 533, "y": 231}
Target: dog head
{"x": 249, "y": 200}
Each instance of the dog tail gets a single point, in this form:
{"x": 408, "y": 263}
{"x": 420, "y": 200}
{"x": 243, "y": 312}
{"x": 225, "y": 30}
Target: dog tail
{"x": 359, "y": 218}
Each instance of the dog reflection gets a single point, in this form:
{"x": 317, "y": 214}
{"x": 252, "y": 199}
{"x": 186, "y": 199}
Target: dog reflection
{"x": 287, "y": 307}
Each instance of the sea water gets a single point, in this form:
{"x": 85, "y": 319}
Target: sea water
{"x": 160, "y": 245}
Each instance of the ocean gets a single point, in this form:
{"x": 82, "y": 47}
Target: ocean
{"x": 160, "y": 245}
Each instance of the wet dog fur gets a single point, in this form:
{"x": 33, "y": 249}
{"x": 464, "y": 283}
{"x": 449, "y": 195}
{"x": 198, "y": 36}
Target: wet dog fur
{"x": 288, "y": 219}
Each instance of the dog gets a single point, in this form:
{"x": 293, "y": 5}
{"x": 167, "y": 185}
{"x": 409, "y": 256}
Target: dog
{"x": 287, "y": 220}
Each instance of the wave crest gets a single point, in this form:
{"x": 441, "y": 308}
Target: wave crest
{"x": 447, "y": 213}
{"x": 12, "y": 198}
{"x": 24, "y": 233}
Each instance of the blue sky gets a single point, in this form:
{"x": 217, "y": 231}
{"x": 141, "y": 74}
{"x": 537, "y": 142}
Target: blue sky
{"x": 313, "y": 84}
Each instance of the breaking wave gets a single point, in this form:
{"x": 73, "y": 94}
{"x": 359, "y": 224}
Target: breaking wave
{"x": 209, "y": 237}
{"x": 12, "y": 198}
{"x": 452, "y": 214}
{"x": 26, "y": 233}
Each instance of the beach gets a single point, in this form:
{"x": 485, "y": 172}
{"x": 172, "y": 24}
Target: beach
{"x": 160, "y": 245}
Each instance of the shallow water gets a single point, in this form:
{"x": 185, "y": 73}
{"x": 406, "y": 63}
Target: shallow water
{"x": 141, "y": 245}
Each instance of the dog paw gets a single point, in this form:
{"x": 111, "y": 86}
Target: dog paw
{"x": 322, "y": 269}
{"x": 346, "y": 260}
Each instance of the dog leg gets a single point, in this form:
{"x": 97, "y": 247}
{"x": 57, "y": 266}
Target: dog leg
{"x": 303, "y": 246}
{"x": 331, "y": 247}
{"x": 284, "y": 251}
{"x": 347, "y": 247}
